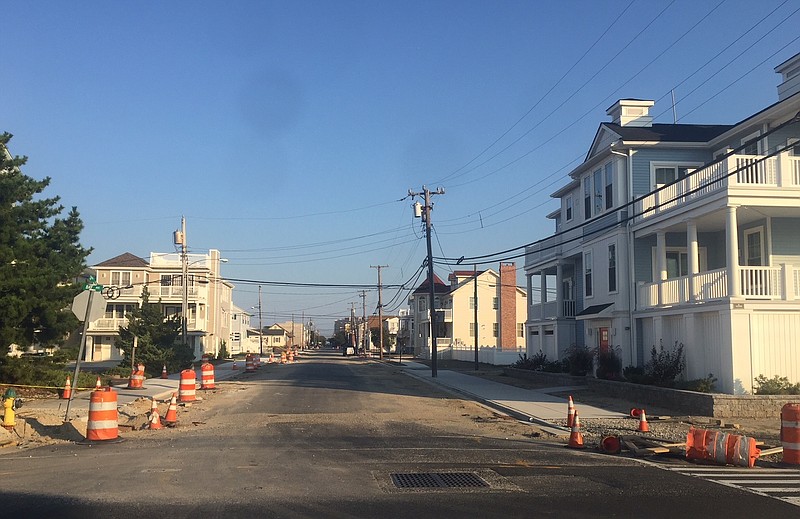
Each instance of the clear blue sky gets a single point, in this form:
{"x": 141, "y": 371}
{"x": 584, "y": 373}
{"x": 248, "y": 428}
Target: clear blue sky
{"x": 287, "y": 132}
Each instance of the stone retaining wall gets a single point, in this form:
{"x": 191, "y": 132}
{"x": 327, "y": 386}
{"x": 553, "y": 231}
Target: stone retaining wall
{"x": 716, "y": 405}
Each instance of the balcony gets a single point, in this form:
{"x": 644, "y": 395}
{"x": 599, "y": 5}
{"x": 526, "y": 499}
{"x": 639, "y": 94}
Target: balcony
{"x": 108, "y": 324}
{"x": 553, "y": 247}
{"x": 541, "y": 311}
{"x": 765, "y": 283}
{"x": 443, "y": 315}
{"x": 737, "y": 172}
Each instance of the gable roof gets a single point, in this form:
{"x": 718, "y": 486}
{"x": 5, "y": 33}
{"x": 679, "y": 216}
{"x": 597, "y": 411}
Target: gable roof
{"x": 125, "y": 259}
{"x": 439, "y": 286}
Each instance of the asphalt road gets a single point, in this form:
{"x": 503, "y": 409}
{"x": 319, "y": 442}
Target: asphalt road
{"x": 324, "y": 437}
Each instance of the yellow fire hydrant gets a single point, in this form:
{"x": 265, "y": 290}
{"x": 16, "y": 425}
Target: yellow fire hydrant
{"x": 10, "y": 402}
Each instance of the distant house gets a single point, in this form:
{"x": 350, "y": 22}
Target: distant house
{"x": 679, "y": 234}
{"x": 208, "y": 295}
{"x": 499, "y": 326}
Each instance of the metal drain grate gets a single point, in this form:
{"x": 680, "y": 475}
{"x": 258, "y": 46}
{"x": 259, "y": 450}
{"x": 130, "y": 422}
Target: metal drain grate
{"x": 438, "y": 480}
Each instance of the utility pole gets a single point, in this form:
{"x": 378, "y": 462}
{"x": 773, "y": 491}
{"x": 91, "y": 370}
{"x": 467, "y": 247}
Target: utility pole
{"x": 425, "y": 213}
{"x": 180, "y": 239}
{"x": 380, "y": 309}
{"x": 363, "y": 328}
{"x": 475, "y": 314}
{"x": 260, "y": 325}
{"x": 353, "y": 340}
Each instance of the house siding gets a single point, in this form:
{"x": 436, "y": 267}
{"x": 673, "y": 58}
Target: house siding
{"x": 643, "y": 158}
{"x": 785, "y": 243}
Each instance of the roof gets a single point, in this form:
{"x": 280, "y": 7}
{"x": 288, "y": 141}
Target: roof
{"x": 593, "y": 311}
{"x": 669, "y": 132}
{"x": 439, "y": 286}
{"x": 124, "y": 260}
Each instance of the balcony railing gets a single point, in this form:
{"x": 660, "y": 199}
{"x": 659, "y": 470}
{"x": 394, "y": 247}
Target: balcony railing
{"x": 442, "y": 315}
{"x": 108, "y": 324}
{"x": 769, "y": 283}
{"x": 742, "y": 171}
{"x": 548, "y": 309}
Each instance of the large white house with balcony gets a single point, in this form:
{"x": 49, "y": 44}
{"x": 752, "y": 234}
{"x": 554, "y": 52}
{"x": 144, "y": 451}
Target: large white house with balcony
{"x": 209, "y": 299}
{"x": 679, "y": 234}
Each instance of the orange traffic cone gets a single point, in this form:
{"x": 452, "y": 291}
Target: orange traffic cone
{"x": 643, "y": 427}
{"x": 164, "y": 371}
{"x": 171, "y": 419}
{"x": 575, "y": 436}
{"x": 67, "y": 394}
{"x": 570, "y": 412}
{"x": 155, "y": 419}
{"x": 98, "y": 385}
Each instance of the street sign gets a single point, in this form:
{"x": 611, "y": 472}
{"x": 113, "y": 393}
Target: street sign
{"x": 81, "y": 301}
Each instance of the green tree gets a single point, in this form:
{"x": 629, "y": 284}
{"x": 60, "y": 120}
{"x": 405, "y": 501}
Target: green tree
{"x": 157, "y": 339}
{"x": 40, "y": 259}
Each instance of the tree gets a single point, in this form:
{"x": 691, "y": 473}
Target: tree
{"x": 40, "y": 259}
{"x": 157, "y": 338}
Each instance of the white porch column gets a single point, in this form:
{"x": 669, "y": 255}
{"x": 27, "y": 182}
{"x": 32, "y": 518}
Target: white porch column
{"x": 661, "y": 263}
{"x": 543, "y": 281}
{"x": 559, "y": 291}
{"x": 732, "y": 251}
{"x": 694, "y": 258}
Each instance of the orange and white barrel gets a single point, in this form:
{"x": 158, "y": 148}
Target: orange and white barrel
{"x": 186, "y": 389}
{"x": 723, "y": 448}
{"x": 249, "y": 364}
{"x": 790, "y": 433}
{"x": 207, "y": 376}
{"x": 102, "y": 424}
{"x": 136, "y": 380}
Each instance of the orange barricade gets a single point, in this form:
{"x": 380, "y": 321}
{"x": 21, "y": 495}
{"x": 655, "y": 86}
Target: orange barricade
{"x": 136, "y": 381}
{"x": 720, "y": 447}
{"x": 249, "y": 365}
{"x": 207, "y": 376}
{"x": 102, "y": 424}
{"x": 186, "y": 389}
{"x": 790, "y": 433}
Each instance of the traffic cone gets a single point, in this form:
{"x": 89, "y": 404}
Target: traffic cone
{"x": 171, "y": 419}
{"x": 575, "y": 435}
{"x": 155, "y": 419}
{"x": 643, "y": 427}
{"x": 235, "y": 367}
{"x": 164, "y": 371}
{"x": 570, "y": 412}
{"x": 98, "y": 385}
{"x": 67, "y": 394}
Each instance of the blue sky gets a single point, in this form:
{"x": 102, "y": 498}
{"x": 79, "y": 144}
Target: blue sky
{"x": 287, "y": 133}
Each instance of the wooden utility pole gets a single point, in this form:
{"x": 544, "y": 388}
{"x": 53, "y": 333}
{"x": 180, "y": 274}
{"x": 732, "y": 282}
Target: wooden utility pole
{"x": 363, "y": 328}
{"x": 380, "y": 309}
{"x": 475, "y": 314}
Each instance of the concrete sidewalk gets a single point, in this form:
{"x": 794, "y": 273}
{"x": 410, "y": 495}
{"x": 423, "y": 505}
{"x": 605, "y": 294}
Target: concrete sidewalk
{"x": 538, "y": 406}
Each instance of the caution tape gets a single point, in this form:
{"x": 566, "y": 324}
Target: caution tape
{"x": 47, "y": 387}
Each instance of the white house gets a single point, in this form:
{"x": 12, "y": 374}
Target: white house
{"x": 679, "y": 234}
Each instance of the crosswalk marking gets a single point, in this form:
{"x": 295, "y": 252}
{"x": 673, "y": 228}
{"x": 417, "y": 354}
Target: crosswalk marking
{"x": 783, "y": 484}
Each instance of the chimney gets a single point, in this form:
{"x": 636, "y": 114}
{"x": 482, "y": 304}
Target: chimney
{"x": 790, "y": 74}
{"x": 508, "y": 306}
{"x": 631, "y": 112}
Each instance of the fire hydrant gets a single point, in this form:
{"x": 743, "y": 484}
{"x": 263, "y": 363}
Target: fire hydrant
{"x": 10, "y": 403}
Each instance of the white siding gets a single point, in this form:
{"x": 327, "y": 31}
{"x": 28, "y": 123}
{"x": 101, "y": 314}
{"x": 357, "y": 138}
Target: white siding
{"x": 775, "y": 344}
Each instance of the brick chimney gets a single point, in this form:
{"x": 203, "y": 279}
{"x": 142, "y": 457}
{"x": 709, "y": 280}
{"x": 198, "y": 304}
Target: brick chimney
{"x": 508, "y": 306}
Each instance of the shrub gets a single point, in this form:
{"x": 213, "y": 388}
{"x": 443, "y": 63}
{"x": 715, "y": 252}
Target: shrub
{"x": 636, "y": 375}
{"x": 665, "y": 365}
{"x": 556, "y": 366}
{"x": 533, "y": 363}
{"x": 775, "y": 386}
{"x": 609, "y": 364}
{"x": 580, "y": 359}
{"x": 701, "y": 385}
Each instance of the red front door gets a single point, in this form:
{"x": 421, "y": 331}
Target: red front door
{"x": 603, "y": 336}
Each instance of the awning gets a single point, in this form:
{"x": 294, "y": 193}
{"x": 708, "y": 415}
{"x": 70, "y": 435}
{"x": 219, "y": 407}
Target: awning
{"x": 595, "y": 311}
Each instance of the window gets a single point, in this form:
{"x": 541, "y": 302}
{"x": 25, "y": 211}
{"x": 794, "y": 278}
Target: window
{"x": 120, "y": 279}
{"x": 472, "y": 329}
{"x": 471, "y": 303}
{"x": 794, "y": 147}
{"x": 754, "y": 147}
{"x": 520, "y": 329}
{"x": 495, "y": 303}
{"x": 421, "y": 305}
{"x": 236, "y": 336}
{"x": 665, "y": 173}
{"x": 587, "y": 272}
{"x": 587, "y": 198}
{"x": 677, "y": 264}
{"x": 568, "y": 210}
{"x": 612, "y": 268}
{"x": 166, "y": 280}
{"x": 609, "y": 194}
{"x": 598, "y": 191}
{"x": 495, "y": 330}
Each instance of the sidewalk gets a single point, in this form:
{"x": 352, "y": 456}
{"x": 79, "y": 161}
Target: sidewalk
{"x": 537, "y": 406}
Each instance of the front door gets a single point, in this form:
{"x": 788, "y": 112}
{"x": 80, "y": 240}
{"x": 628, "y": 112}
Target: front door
{"x": 602, "y": 335}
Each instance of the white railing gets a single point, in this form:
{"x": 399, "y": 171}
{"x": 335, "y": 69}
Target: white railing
{"x": 761, "y": 282}
{"x": 751, "y": 171}
{"x": 108, "y": 324}
{"x": 548, "y": 309}
{"x": 569, "y": 308}
{"x": 773, "y": 283}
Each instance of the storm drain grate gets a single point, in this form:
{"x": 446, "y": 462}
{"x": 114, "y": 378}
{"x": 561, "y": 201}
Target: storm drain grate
{"x": 438, "y": 480}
